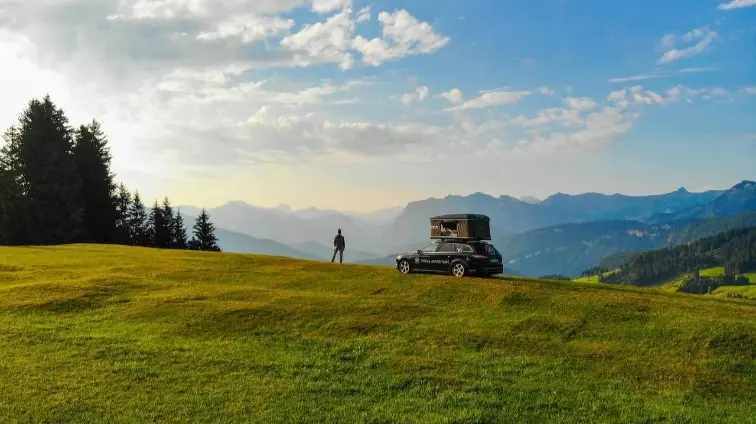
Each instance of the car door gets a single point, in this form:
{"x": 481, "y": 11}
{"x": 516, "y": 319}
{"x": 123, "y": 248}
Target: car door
{"x": 444, "y": 256}
{"x": 424, "y": 259}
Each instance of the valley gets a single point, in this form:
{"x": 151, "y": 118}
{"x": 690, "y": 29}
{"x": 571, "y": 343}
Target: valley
{"x": 561, "y": 235}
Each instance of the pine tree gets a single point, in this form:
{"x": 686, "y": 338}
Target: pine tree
{"x": 97, "y": 191}
{"x": 156, "y": 227}
{"x": 123, "y": 222}
{"x": 204, "y": 234}
{"x": 179, "y": 231}
{"x": 138, "y": 222}
{"x": 14, "y": 226}
{"x": 52, "y": 186}
{"x": 168, "y": 219}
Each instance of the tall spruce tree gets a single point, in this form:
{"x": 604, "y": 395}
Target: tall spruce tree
{"x": 138, "y": 222}
{"x": 14, "y": 225}
{"x": 158, "y": 227}
{"x": 97, "y": 191}
{"x": 46, "y": 150}
{"x": 179, "y": 231}
{"x": 170, "y": 237}
{"x": 123, "y": 210}
{"x": 204, "y": 234}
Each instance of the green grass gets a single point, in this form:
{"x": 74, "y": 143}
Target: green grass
{"x": 114, "y": 334}
{"x": 748, "y": 291}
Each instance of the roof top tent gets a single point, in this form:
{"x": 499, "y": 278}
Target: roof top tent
{"x": 461, "y": 227}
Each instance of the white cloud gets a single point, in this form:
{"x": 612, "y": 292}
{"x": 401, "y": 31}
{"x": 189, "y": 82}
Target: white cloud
{"x": 662, "y": 74}
{"x": 249, "y": 28}
{"x": 326, "y": 6}
{"x": 492, "y": 98}
{"x": 581, "y": 103}
{"x": 702, "y": 37}
{"x": 750, "y": 91}
{"x": 420, "y": 94}
{"x": 454, "y": 95}
{"x": 599, "y": 129}
{"x": 546, "y": 90}
{"x": 737, "y": 4}
{"x": 328, "y": 41}
{"x": 403, "y": 35}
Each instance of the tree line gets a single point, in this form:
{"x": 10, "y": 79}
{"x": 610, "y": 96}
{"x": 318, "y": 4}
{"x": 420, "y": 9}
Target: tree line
{"x": 56, "y": 187}
{"x": 735, "y": 250}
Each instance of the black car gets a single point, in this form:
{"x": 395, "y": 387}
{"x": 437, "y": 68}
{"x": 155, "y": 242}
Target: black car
{"x": 455, "y": 257}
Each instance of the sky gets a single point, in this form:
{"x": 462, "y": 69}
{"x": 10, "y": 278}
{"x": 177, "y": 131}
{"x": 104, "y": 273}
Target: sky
{"x": 362, "y": 105}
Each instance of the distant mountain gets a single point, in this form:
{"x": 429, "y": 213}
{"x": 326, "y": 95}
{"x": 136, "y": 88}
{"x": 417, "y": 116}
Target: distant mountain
{"x": 739, "y": 198}
{"x": 735, "y": 250}
{"x": 230, "y": 241}
{"x": 324, "y": 252}
{"x": 290, "y": 229}
{"x": 572, "y": 248}
{"x": 510, "y": 215}
{"x": 530, "y": 199}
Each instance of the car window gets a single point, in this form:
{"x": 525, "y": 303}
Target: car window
{"x": 463, "y": 248}
{"x": 447, "y": 248}
{"x": 429, "y": 248}
{"x": 486, "y": 249}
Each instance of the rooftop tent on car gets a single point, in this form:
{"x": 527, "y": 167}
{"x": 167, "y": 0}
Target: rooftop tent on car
{"x": 460, "y": 226}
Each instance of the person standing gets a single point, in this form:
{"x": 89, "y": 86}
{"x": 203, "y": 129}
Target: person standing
{"x": 339, "y": 244}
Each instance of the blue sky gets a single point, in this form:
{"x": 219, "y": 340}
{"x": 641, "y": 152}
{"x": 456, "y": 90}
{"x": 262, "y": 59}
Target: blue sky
{"x": 360, "y": 105}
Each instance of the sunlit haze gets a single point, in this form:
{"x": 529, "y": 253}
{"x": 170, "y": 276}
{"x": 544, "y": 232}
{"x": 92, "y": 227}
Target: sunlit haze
{"x": 359, "y": 105}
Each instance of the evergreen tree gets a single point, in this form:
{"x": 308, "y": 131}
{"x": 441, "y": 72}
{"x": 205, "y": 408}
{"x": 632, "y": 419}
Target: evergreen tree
{"x": 204, "y": 234}
{"x": 97, "y": 191}
{"x": 138, "y": 222}
{"x": 179, "y": 231}
{"x": 157, "y": 227}
{"x": 14, "y": 226}
{"x": 168, "y": 219}
{"x": 52, "y": 187}
{"x": 123, "y": 210}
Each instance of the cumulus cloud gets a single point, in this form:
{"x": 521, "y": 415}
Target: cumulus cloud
{"x": 454, "y": 95}
{"x": 737, "y": 4}
{"x": 697, "y": 40}
{"x": 402, "y": 35}
{"x": 581, "y": 103}
{"x": 492, "y": 98}
{"x": 420, "y": 94}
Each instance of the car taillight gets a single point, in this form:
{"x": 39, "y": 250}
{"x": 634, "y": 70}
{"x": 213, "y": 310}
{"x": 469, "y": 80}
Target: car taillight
{"x": 479, "y": 257}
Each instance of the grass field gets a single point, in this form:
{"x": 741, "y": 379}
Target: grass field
{"x": 114, "y": 334}
{"x": 748, "y": 291}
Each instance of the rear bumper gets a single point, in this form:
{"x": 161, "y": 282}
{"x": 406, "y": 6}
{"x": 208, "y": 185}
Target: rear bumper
{"x": 489, "y": 269}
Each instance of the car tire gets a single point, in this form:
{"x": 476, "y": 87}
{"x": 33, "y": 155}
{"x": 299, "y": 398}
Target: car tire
{"x": 458, "y": 269}
{"x": 404, "y": 267}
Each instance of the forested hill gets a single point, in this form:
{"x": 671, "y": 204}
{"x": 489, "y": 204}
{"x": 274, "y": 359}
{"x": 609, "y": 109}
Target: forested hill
{"x": 735, "y": 250}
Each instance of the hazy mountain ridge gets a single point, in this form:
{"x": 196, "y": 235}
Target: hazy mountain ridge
{"x": 565, "y": 232}
{"x": 572, "y": 248}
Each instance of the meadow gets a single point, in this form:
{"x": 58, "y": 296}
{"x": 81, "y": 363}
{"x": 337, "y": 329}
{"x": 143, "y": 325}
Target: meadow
{"x": 94, "y": 333}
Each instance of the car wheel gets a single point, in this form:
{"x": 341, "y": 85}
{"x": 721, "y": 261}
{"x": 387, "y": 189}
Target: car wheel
{"x": 458, "y": 269}
{"x": 404, "y": 267}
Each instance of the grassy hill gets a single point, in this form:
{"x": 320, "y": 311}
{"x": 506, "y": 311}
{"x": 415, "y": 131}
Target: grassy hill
{"x": 725, "y": 291}
{"x": 115, "y": 334}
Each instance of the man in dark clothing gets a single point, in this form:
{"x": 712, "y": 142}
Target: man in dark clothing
{"x": 339, "y": 244}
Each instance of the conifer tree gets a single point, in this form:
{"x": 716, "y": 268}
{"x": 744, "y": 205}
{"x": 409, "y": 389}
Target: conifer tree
{"x": 123, "y": 210}
{"x": 52, "y": 187}
{"x": 14, "y": 226}
{"x": 97, "y": 191}
{"x": 179, "y": 231}
{"x": 138, "y": 222}
{"x": 204, "y": 234}
{"x": 168, "y": 220}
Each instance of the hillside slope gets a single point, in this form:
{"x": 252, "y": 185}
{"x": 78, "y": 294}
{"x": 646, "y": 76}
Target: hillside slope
{"x": 114, "y": 334}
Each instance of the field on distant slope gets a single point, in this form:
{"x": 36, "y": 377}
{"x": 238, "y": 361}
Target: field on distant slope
{"x": 748, "y": 291}
{"x": 115, "y": 334}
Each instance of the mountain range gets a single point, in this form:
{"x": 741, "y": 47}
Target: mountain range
{"x": 562, "y": 234}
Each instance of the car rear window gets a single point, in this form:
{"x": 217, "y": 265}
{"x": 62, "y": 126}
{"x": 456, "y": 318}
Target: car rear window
{"x": 486, "y": 249}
